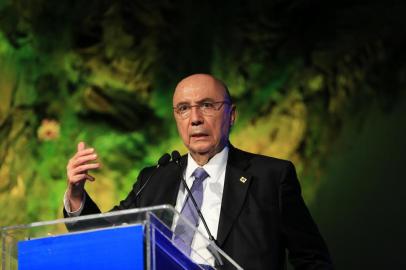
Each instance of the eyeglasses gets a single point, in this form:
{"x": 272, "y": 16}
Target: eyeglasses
{"x": 207, "y": 108}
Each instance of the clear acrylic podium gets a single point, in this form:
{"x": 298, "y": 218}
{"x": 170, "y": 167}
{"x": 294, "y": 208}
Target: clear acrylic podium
{"x": 141, "y": 238}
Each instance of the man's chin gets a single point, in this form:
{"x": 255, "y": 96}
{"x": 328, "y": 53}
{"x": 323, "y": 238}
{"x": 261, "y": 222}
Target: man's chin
{"x": 201, "y": 148}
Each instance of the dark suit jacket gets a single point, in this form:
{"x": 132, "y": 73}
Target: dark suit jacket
{"x": 260, "y": 219}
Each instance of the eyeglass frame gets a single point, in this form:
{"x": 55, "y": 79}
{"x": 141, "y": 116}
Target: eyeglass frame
{"x": 200, "y": 108}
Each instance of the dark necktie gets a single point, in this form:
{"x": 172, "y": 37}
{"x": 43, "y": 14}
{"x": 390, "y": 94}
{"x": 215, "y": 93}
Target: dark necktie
{"x": 183, "y": 234}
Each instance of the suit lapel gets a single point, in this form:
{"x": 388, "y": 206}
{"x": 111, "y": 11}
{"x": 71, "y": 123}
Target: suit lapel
{"x": 236, "y": 185}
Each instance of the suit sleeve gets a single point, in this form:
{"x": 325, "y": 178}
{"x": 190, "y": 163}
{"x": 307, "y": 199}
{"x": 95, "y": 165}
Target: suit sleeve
{"x": 307, "y": 249}
{"x": 90, "y": 207}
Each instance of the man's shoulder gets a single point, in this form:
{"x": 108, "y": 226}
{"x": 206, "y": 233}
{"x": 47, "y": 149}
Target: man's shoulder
{"x": 170, "y": 166}
{"x": 266, "y": 170}
{"x": 258, "y": 158}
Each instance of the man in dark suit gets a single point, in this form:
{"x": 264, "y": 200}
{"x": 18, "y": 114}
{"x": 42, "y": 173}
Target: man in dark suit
{"x": 252, "y": 203}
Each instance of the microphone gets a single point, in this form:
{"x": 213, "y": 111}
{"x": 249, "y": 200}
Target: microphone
{"x": 176, "y": 158}
{"x": 161, "y": 162}
{"x": 164, "y": 160}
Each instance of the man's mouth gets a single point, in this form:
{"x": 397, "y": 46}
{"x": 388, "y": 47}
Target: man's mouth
{"x": 199, "y": 135}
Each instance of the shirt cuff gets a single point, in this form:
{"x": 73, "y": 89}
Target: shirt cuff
{"x": 66, "y": 204}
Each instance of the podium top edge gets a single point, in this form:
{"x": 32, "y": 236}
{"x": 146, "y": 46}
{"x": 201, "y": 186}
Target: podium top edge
{"x": 92, "y": 216}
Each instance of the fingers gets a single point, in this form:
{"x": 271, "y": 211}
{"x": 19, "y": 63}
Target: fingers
{"x": 83, "y": 159}
{"x": 81, "y": 146}
{"x": 85, "y": 167}
{"x": 79, "y": 178}
{"x": 89, "y": 177}
{"x": 84, "y": 152}
{"x": 79, "y": 165}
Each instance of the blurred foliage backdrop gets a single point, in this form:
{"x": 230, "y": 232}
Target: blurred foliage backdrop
{"x": 321, "y": 83}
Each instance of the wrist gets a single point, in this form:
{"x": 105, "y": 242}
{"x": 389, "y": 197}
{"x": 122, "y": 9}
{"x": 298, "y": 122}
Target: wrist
{"x": 75, "y": 191}
{"x": 75, "y": 199}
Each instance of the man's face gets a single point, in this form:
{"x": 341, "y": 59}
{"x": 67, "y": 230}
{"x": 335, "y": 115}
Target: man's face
{"x": 203, "y": 134}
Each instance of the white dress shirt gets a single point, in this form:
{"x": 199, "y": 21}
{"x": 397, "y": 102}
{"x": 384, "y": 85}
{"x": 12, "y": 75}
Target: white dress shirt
{"x": 213, "y": 187}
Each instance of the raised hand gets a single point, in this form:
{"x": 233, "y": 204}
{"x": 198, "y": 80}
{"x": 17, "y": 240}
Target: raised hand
{"x": 77, "y": 173}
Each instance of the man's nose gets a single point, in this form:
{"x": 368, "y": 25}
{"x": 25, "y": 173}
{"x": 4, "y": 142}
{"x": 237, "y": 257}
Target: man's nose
{"x": 196, "y": 116}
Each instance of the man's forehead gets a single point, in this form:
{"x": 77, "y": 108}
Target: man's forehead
{"x": 198, "y": 88}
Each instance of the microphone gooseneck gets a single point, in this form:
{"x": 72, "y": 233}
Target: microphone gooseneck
{"x": 161, "y": 162}
{"x": 211, "y": 248}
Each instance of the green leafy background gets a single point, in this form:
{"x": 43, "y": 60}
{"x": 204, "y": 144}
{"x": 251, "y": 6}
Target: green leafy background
{"x": 321, "y": 83}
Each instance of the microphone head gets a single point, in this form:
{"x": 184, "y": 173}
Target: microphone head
{"x": 164, "y": 160}
{"x": 175, "y": 156}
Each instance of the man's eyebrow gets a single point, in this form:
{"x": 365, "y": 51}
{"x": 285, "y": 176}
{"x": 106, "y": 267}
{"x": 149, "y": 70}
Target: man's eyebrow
{"x": 182, "y": 103}
{"x": 197, "y": 102}
{"x": 205, "y": 100}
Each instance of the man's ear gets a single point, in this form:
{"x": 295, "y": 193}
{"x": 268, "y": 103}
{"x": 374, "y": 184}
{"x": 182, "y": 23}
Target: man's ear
{"x": 233, "y": 114}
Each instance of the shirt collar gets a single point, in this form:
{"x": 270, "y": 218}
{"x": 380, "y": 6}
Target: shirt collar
{"x": 215, "y": 165}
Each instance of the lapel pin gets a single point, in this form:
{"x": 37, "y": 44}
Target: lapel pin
{"x": 243, "y": 179}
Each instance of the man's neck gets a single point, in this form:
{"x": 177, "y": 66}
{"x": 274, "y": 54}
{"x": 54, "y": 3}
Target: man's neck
{"x": 203, "y": 158}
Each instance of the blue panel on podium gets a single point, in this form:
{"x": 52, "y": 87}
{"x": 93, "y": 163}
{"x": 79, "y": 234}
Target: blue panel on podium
{"x": 114, "y": 248}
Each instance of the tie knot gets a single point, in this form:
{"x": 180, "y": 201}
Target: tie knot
{"x": 200, "y": 174}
